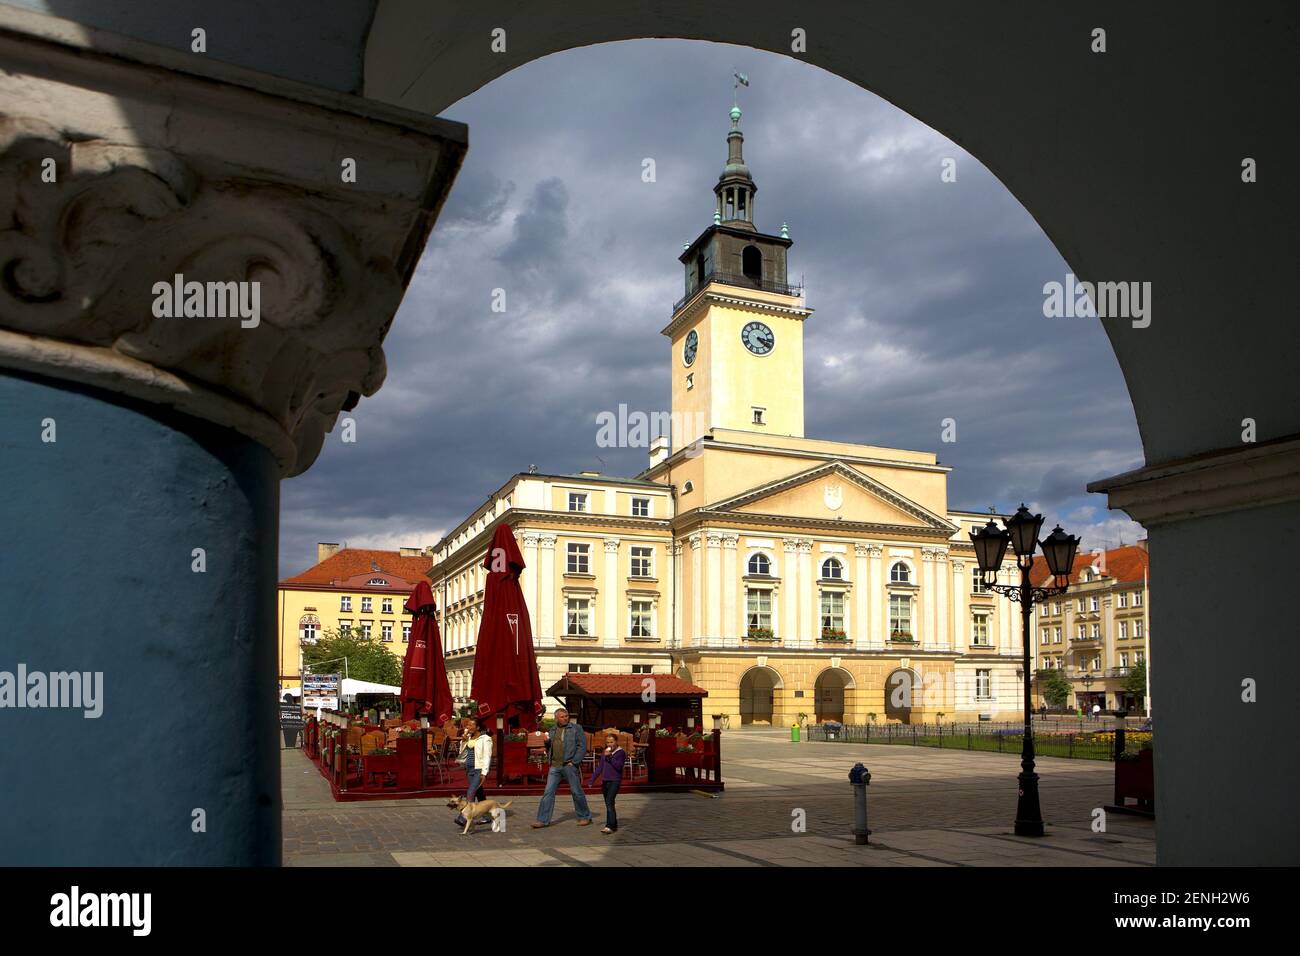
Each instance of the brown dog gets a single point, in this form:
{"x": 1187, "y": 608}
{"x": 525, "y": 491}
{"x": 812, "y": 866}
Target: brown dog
{"x": 471, "y": 811}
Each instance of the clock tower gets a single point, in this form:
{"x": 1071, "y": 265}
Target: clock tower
{"x": 737, "y": 334}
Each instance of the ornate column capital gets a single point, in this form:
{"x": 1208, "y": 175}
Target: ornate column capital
{"x": 695, "y": 541}
{"x": 547, "y": 541}
{"x": 293, "y": 216}
{"x": 790, "y": 545}
{"x": 611, "y": 545}
{"x": 713, "y": 539}
{"x": 530, "y": 539}
{"x": 729, "y": 541}
{"x": 805, "y": 545}
{"x": 861, "y": 550}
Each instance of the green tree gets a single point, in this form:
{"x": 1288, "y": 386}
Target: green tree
{"x": 1136, "y": 681}
{"x": 1056, "y": 689}
{"x": 368, "y": 658}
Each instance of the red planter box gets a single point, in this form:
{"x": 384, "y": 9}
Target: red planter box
{"x": 410, "y": 763}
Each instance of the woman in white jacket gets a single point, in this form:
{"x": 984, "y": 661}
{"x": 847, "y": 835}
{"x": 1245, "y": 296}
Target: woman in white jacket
{"x": 476, "y": 754}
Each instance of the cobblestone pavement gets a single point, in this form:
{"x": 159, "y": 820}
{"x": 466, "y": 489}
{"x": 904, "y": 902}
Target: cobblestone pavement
{"x": 927, "y": 807}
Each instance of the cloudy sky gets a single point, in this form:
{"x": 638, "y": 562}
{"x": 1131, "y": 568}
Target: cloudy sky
{"x": 928, "y": 298}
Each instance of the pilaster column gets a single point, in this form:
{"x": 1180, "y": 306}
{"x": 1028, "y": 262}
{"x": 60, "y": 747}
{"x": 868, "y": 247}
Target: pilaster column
{"x": 808, "y": 606}
{"x": 927, "y": 599}
{"x": 961, "y": 621}
{"x": 942, "y": 603}
{"x": 676, "y": 596}
{"x": 545, "y": 623}
{"x": 612, "y": 603}
{"x": 878, "y": 601}
{"x": 861, "y": 629}
{"x": 696, "y": 542}
{"x": 713, "y": 588}
{"x": 528, "y": 579}
{"x": 790, "y": 580}
{"x": 156, "y": 437}
{"x": 1008, "y": 612}
{"x": 731, "y": 624}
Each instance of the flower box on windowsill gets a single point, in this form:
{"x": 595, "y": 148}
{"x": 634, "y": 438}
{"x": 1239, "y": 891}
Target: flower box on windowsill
{"x": 760, "y": 634}
{"x": 901, "y": 637}
{"x": 580, "y": 637}
{"x": 834, "y": 636}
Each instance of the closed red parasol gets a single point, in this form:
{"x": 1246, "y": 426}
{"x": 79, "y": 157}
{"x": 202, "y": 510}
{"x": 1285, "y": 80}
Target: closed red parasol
{"x": 506, "y": 681}
{"x": 424, "y": 672}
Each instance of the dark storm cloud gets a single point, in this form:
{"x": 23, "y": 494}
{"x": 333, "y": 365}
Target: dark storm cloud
{"x": 928, "y": 297}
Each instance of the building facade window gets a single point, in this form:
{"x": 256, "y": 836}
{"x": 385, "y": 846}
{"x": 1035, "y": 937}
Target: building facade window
{"x": 345, "y": 627}
{"x": 367, "y": 605}
{"x": 309, "y": 628}
{"x": 643, "y": 668}
{"x": 1122, "y": 598}
{"x": 579, "y": 668}
{"x": 977, "y": 585}
{"x": 979, "y": 635}
{"x": 760, "y": 565}
{"x": 1096, "y": 632}
{"x": 366, "y": 627}
{"x": 832, "y": 570}
{"x": 640, "y": 507}
{"x": 1047, "y": 633}
{"x": 1123, "y": 630}
{"x": 578, "y": 612}
{"x": 577, "y": 501}
{"x": 578, "y": 559}
{"x": 1137, "y": 628}
{"x": 1123, "y": 660}
{"x": 1092, "y": 603}
{"x": 387, "y": 606}
{"x": 758, "y": 609}
{"x": 900, "y": 573}
{"x": 1083, "y": 632}
{"x": 983, "y": 684}
{"x": 1137, "y": 598}
{"x": 1056, "y": 635}
{"x": 642, "y": 561}
{"x": 406, "y": 632}
{"x": 345, "y": 602}
{"x": 900, "y": 617}
{"x": 642, "y": 623}
{"x": 832, "y": 612}
{"x": 386, "y": 632}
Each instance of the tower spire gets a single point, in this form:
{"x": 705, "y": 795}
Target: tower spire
{"x": 735, "y": 189}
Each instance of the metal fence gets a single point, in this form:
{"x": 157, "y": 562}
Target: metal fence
{"x": 1050, "y": 740}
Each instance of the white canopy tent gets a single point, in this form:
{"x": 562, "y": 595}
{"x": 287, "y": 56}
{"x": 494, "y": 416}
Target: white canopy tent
{"x": 351, "y": 688}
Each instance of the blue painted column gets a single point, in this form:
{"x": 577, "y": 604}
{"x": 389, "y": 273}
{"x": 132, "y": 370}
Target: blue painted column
{"x": 97, "y": 575}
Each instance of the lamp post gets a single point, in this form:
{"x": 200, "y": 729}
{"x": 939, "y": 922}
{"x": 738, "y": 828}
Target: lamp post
{"x": 1087, "y": 691}
{"x": 990, "y": 543}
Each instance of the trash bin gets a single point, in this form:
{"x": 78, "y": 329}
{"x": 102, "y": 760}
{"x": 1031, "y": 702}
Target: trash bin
{"x": 794, "y": 733}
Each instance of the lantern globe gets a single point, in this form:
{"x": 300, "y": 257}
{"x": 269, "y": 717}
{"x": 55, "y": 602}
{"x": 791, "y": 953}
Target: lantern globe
{"x": 1059, "y": 549}
{"x": 990, "y": 544}
{"x": 1024, "y": 528}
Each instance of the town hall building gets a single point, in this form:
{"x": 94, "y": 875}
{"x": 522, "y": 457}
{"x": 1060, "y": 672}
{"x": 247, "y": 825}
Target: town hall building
{"x": 786, "y": 575}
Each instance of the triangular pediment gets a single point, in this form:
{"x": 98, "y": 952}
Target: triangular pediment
{"x": 834, "y": 492}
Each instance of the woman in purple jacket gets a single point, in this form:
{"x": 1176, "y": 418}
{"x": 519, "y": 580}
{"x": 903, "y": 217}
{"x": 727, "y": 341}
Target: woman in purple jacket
{"x": 609, "y": 768}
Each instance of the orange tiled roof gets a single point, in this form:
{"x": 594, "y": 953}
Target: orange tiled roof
{"x": 1126, "y": 565}
{"x": 601, "y": 685}
{"x": 350, "y": 562}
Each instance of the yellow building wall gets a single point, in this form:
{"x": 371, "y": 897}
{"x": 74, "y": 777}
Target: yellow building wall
{"x": 294, "y": 604}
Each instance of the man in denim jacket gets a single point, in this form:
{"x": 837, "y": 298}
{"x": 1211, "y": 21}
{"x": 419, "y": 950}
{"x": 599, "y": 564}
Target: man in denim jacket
{"x": 565, "y": 748}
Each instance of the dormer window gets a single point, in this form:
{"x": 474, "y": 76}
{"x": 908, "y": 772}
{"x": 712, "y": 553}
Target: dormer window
{"x": 759, "y": 414}
{"x": 378, "y": 582}
{"x": 577, "y": 501}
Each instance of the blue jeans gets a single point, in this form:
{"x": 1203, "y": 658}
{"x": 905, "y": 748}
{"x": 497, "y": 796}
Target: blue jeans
{"x": 553, "y": 777}
{"x": 474, "y": 785}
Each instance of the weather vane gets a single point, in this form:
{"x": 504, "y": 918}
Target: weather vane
{"x": 741, "y": 80}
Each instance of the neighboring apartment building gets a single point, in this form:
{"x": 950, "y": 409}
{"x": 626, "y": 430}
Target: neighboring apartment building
{"x": 347, "y": 588}
{"x": 1099, "y": 629}
{"x": 784, "y": 574}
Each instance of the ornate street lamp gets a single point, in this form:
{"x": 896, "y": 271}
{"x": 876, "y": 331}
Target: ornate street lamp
{"x": 1058, "y": 550}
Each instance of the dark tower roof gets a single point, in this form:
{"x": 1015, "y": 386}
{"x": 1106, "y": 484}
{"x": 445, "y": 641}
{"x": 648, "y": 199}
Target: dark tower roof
{"x": 735, "y": 189}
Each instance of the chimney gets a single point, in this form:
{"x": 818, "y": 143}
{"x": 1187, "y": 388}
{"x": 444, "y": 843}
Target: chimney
{"x": 409, "y": 552}
{"x": 324, "y": 551}
{"x": 658, "y": 450}
{"x": 1142, "y": 543}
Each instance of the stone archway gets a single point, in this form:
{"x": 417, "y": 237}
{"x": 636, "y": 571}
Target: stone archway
{"x": 902, "y": 688}
{"x": 832, "y": 695}
{"x": 758, "y": 687}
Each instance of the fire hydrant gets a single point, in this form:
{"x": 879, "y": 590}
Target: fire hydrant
{"x": 860, "y": 777}
{"x": 794, "y": 733}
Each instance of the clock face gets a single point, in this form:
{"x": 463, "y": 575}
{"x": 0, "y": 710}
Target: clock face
{"x": 691, "y": 347}
{"x": 758, "y": 338}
